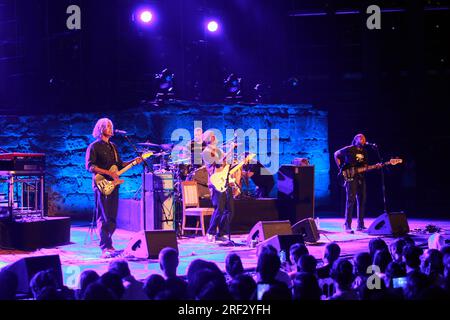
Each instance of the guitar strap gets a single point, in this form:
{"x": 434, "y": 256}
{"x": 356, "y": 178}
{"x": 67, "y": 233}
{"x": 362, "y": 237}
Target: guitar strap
{"x": 115, "y": 153}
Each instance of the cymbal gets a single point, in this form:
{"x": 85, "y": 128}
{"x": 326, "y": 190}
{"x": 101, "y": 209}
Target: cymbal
{"x": 149, "y": 144}
{"x": 167, "y": 146}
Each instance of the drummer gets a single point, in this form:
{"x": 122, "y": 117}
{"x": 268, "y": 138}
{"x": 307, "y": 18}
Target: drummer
{"x": 197, "y": 147}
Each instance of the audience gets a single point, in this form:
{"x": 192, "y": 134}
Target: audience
{"x": 242, "y": 287}
{"x": 411, "y": 258}
{"x": 343, "y": 277}
{"x": 330, "y": 255}
{"x": 86, "y": 278}
{"x": 307, "y": 263}
{"x": 401, "y": 270}
{"x": 233, "y": 265}
{"x": 133, "y": 289}
{"x": 154, "y": 285}
{"x": 306, "y": 287}
{"x": 113, "y": 282}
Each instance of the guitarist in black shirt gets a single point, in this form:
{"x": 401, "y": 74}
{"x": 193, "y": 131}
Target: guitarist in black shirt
{"x": 101, "y": 155}
{"x": 354, "y": 156}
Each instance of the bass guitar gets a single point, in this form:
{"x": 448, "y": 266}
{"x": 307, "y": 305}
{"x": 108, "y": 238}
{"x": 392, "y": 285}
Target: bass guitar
{"x": 221, "y": 178}
{"x": 107, "y": 185}
{"x": 349, "y": 173}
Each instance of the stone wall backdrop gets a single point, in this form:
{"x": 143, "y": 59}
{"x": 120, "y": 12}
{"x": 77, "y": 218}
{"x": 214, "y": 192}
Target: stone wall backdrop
{"x": 65, "y": 137}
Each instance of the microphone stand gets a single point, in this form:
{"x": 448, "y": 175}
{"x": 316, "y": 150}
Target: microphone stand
{"x": 383, "y": 185}
{"x": 145, "y": 166}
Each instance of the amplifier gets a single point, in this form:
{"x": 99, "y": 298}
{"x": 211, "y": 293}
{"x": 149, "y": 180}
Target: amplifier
{"x": 159, "y": 182}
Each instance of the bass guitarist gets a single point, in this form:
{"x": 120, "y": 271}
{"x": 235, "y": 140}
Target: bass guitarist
{"x": 101, "y": 155}
{"x": 215, "y": 159}
{"x": 354, "y": 156}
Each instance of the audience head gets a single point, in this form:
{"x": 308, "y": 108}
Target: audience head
{"x": 113, "y": 282}
{"x": 445, "y": 250}
{"x": 268, "y": 264}
{"x": 417, "y": 283}
{"x": 446, "y": 263}
{"x": 307, "y": 263}
{"x": 394, "y": 270}
{"x": 233, "y": 265}
{"x": 296, "y": 251}
{"x": 381, "y": 259}
{"x": 277, "y": 291}
{"x": 342, "y": 274}
{"x": 120, "y": 267}
{"x": 306, "y": 287}
{"x": 432, "y": 262}
{"x": 242, "y": 287}
{"x": 411, "y": 256}
{"x": 361, "y": 262}
{"x": 331, "y": 252}
{"x": 86, "y": 278}
{"x": 97, "y": 291}
{"x": 154, "y": 285}
{"x": 42, "y": 280}
{"x": 8, "y": 285}
{"x": 396, "y": 249}
{"x": 409, "y": 241}
{"x": 375, "y": 245}
{"x": 168, "y": 261}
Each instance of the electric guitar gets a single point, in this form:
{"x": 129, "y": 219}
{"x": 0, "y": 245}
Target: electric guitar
{"x": 107, "y": 185}
{"x": 220, "y": 178}
{"x": 349, "y": 173}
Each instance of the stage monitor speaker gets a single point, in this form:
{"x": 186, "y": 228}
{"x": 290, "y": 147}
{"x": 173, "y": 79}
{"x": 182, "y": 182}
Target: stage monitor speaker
{"x": 296, "y": 192}
{"x": 308, "y": 229}
{"x": 395, "y": 224}
{"x": 26, "y": 268}
{"x": 148, "y": 244}
{"x": 265, "y": 229}
{"x": 281, "y": 242}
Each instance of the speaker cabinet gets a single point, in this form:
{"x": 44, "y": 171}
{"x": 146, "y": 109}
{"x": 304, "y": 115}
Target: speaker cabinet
{"x": 26, "y": 268}
{"x": 395, "y": 224}
{"x": 308, "y": 229}
{"x": 281, "y": 242}
{"x": 296, "y": 192}
{"x": 154, "y": 211}
{"x": 148, "y": 244}
{"x": 265, "y": 229}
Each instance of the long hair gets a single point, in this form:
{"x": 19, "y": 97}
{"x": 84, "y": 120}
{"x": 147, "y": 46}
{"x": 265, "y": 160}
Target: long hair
{"x": 356, "y": 137}
{"x": 100, "y": 126}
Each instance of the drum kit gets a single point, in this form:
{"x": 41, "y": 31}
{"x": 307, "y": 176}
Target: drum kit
{"x": 170, "y": 158}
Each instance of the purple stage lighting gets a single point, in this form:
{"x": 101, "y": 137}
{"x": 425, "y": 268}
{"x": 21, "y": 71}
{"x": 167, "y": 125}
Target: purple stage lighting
{"x": 146, "y": 16}
{"x": 213, "y": 26}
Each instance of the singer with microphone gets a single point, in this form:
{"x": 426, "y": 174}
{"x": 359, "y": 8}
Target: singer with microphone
{"x": 101, "y": 156}
{"x": 354, "y": 156}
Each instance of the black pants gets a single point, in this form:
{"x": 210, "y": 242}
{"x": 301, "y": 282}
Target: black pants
{"x": 222, "y": 212}
{"x": 106, "y": 214}
{"x": 356, "y": 192}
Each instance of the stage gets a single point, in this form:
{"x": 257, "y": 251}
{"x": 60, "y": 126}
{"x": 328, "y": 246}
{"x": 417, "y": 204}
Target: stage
{"x": 79, "y": 256}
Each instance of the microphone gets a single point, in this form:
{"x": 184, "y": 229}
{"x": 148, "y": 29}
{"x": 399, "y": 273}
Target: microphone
{"x": 120, "y": 132}
{"x": 371, "y": 144}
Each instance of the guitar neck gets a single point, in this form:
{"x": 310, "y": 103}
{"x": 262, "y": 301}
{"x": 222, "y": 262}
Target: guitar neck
{"x": 125, "y": 169}
{"x": 372, "y": 167}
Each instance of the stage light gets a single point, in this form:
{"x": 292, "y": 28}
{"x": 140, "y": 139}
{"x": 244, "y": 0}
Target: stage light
{"x": 165, "y": 82}
{"x": 213, "y": 26}
{"x": 146, "y": 16}
{"x": 233, "y": 87}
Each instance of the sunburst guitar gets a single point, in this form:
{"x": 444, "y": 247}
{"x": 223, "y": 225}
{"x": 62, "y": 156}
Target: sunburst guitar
{"x": 107, "y": 185}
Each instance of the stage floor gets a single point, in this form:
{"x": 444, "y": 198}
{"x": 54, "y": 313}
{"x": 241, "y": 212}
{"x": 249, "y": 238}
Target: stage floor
{"x": 83, "y": 253}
